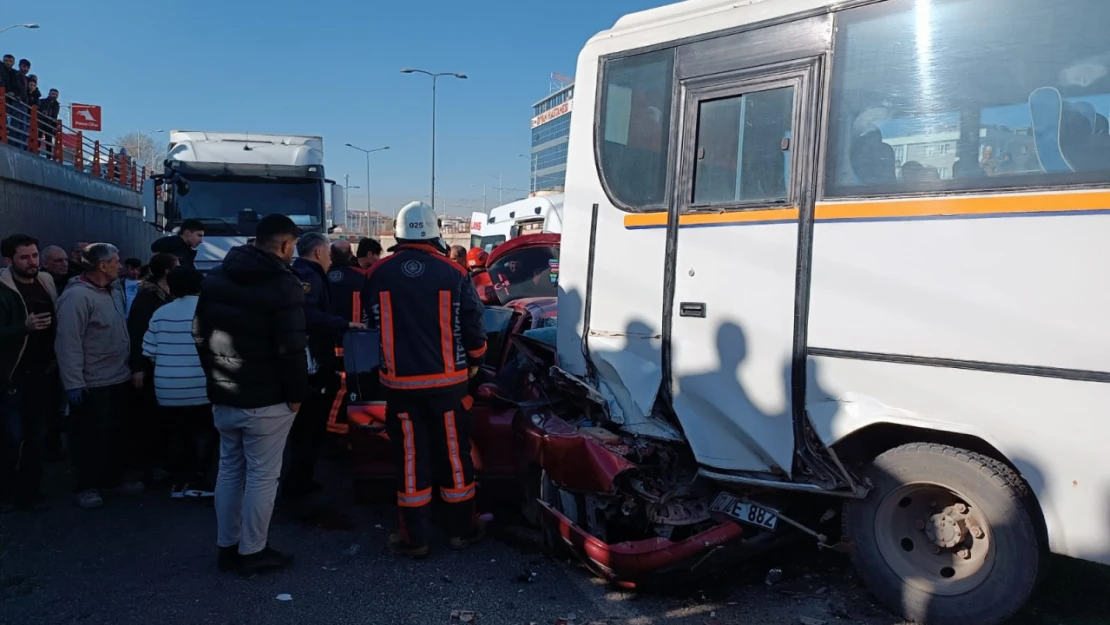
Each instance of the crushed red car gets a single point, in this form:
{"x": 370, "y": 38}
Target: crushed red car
{"x": 629, "y": 506}
{"x": 523, "y": 277}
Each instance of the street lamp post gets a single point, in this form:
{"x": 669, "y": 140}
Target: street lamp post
{"x": 31, "y": 26}
{"x": 367, "y": 153}
{"x": 531, "y": 169}
{"x": 346, "y": 194}
{"x": 435, "y": 75}
{"x": 500, "y": 195}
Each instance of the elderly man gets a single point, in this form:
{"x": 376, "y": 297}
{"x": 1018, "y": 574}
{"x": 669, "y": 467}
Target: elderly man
{"x": 324, "y": 329}
{"x": 93, "y": 350}
{"x": 55, "y": 263}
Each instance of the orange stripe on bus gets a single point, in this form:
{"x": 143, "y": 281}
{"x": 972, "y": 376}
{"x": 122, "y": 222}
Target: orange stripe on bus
{"x": 1015, "y": 205}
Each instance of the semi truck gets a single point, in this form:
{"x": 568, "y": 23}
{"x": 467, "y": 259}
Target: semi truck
{"x": 231, "y": 180}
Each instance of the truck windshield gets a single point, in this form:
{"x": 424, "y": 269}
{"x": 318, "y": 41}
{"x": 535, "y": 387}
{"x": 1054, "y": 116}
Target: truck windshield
{"x": 245, "y": 200}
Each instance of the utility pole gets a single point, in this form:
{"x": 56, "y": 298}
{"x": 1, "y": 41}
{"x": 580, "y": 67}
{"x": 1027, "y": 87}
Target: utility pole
{"x": 434, "y": 76}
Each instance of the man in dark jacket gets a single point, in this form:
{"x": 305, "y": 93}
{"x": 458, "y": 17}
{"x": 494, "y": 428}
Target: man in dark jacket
{"x": 15, "y": 88}
{"x": 28, "y": 371}
{"x": 184, "y": 244}
{"x": 345, "y": 282}
{"x": 24, "y": 76}
{"x": 324, "y": 330}
{"x": 10, "y": 79}
{"x": 432, "y": 343}
{"x": 33, "y": 93}
{"x": 76, "y": 261}
{"x": 49, "y": 108}
{"x": 250, "y": 334}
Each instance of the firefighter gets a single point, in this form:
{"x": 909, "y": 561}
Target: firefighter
{"x": 432, "y": 341}
{"x": 476, "y": 260}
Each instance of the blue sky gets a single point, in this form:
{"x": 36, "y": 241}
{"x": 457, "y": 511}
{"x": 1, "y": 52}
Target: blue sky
{"x": 328, "y": 67}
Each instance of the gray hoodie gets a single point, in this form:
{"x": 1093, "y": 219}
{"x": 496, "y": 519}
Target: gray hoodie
{"x": 92, "y": 344}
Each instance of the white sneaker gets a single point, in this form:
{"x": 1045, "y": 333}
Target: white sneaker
{"x": 89, "y": 499}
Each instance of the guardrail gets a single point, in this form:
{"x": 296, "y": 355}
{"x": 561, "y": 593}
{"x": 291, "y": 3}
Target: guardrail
{"x": 25, "y": 128}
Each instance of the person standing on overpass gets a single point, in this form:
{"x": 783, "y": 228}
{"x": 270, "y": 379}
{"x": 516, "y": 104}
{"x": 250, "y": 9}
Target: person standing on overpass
{"x": 432, "y": 341}
{"x": 250, "y": 335}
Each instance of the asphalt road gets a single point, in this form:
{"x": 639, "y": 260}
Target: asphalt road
{"x": 150, "y": 559}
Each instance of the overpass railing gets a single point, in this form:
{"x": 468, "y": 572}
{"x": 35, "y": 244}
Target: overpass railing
{"x": 26, "y": 128}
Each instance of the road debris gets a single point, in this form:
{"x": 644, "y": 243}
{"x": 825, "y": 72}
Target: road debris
{"x": 805, "y": 620}
{"x": 774, "y": 576}
{"x": 463, "y": 616}
{"x": 352, "y": 550}
{"x": 284, "y": 597}
{"x": 528, "y": 576}
{"x": 570, "y": 619}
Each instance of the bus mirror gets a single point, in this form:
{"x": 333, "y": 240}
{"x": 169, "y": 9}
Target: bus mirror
{"x": 338, "y": 206}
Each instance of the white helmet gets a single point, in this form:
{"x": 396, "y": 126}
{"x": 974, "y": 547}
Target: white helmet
{"x": 416, "y": 222}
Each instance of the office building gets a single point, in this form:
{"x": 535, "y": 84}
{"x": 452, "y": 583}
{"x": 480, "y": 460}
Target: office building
{"x": 550, "y": 133}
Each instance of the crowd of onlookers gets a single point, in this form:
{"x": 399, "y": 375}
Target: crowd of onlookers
{"x": 21, "y": 89}
{"x": 110, "y": 361}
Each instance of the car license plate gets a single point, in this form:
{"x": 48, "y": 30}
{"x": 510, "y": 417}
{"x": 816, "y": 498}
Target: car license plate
{"x": 745, "y": 512}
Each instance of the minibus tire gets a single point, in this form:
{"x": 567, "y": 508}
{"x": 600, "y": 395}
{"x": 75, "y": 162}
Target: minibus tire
{"x": 897, "y": 556}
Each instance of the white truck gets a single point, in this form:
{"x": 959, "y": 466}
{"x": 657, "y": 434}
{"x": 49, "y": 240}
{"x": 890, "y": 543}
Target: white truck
{"x": 230, "y": 180}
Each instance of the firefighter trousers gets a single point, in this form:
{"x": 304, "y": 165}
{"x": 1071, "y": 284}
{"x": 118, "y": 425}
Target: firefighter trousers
{"x": 430, "y": 435}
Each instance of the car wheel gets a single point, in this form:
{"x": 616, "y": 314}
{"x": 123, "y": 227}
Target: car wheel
{"x": 945, "y": 535}
{"x": 566, "y": 503}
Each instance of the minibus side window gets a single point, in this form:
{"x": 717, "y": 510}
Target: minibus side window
{"x": 634, "y": 128}
{"x": 947, "y": 95}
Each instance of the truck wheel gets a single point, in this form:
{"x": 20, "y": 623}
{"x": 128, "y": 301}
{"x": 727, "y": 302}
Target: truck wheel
{"x": 945, "y": 536}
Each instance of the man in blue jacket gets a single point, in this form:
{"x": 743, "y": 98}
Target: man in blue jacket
{"x": 324, "y": 329}
{"x": 433, "y": 341}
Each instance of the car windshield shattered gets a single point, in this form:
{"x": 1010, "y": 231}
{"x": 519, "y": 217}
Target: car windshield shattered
{"x": 526, "y": 272}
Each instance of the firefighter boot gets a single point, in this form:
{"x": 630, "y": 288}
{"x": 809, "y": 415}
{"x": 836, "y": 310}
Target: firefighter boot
{"x": 398, "y": 546}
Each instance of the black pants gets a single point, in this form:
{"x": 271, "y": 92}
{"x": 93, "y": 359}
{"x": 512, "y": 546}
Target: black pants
{"x": 430, "y": 436}
{"x": 25, "y": 407}
{"x": 310, "y": 427}
{"x": 191, "y": 441}
{"x": 97, "y": 437}
{"x": 143, "y": 435}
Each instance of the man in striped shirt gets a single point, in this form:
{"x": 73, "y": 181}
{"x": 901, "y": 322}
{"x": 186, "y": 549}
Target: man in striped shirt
{"x": 180, "y": 384}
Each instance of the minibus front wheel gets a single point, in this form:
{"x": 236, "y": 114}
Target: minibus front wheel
{"x": 945, "y": 535}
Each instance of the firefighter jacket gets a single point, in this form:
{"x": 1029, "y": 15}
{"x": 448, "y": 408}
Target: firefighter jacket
{"x": 430, "y": 320}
